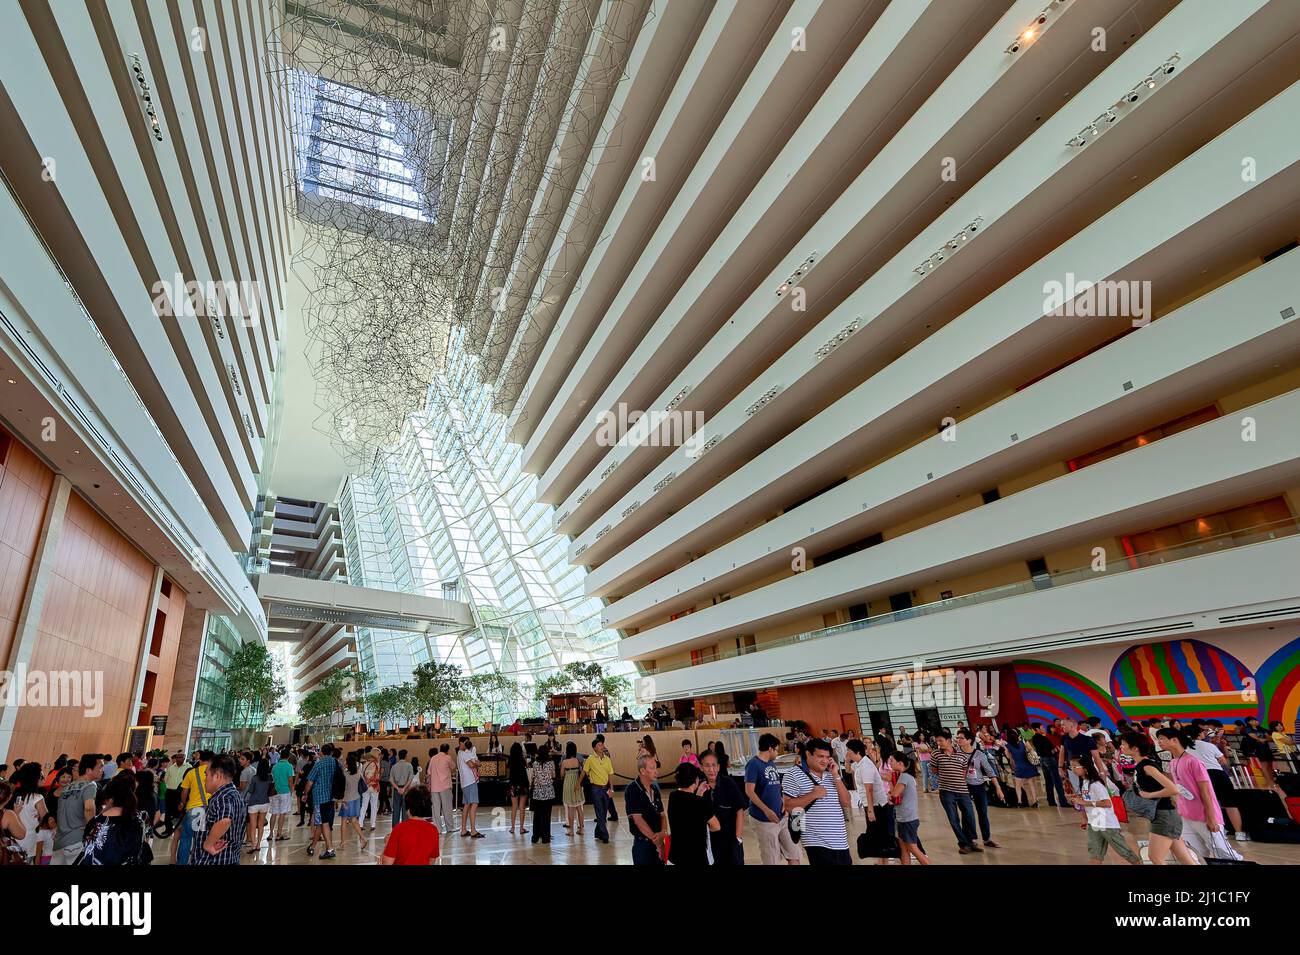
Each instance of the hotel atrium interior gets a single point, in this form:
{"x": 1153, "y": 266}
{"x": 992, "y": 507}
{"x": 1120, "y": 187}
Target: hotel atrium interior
{"x": 382, "y": 374}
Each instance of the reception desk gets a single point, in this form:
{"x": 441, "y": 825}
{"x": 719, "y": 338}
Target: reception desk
{"x": 621, "y": 747}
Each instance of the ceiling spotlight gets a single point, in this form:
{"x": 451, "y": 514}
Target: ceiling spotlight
{"x": 952, "y": 245}
{"x": 1117, "y": 111}
{"x": 1036, "y": 28}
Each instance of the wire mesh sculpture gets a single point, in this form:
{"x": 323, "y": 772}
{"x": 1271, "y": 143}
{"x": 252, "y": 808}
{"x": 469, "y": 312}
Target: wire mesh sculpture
{"x": 439, "y": 148}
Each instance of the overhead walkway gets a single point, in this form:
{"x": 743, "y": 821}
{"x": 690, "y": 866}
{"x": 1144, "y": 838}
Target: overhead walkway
{"x": 290, "y": 597}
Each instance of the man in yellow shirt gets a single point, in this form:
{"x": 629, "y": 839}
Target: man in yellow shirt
{"x": 193, "y": 796}
{"x": 599, "y": 769}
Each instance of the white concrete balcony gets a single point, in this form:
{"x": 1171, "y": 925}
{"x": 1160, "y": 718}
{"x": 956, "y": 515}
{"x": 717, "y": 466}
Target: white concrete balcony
{"x": 1235, "y": 581}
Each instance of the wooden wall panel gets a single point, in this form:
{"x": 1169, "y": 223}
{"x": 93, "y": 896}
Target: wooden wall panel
{"x": 25, "y": 484}
{"x": 92, "y": 620}
{"x": 165, "y": 663}
{"x": 820, "y": 705}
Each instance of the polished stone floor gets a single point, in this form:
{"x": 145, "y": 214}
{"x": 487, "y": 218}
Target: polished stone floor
{"x": 1043, "y": 836}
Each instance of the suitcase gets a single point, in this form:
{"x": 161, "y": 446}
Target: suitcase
{"x": 1257, "y": 806}
{"x": 1285, "y": 830}
{"x": 1293, "y": 807}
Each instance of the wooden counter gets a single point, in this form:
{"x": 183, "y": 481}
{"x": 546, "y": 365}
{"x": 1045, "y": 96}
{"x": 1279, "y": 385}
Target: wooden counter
{"x": 622, "y": 747}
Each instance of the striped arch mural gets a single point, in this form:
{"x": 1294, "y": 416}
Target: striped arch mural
{"x": 1184, "y": 679}
{"x": 1051, "y": 691}
{"x": 1278, "y": 685}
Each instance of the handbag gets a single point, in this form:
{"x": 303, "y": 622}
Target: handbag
{"x": 11, "y": 853}
{"x": 1224, "y": 854}
{"x": 794, "y": 822}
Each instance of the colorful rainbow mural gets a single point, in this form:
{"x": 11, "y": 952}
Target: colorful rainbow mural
{"x": 1182, "y": 678}
{"x": 1051, "y": 691}
{"x": 1278, "y": 683}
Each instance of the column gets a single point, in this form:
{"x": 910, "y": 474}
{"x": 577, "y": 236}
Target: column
{"x": 185, "y": 678}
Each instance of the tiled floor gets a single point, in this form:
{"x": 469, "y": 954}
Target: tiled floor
{"x": 1043, "y": 836}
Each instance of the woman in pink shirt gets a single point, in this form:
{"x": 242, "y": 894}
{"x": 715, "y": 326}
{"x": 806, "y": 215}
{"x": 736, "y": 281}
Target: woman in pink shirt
{"x": 688, "y": 754}
{"x": 1202, "y": 817}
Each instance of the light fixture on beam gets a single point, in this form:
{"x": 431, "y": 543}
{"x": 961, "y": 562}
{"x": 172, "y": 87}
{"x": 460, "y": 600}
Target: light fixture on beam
{"x": 1124, "y": 103}
{"x": 797, "y": 275}
{"x": 950, "y": 247}
{"x": 1035, "y": 29}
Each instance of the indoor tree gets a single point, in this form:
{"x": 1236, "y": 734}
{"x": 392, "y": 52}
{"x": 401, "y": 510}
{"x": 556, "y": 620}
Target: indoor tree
{"x": 438, "y": 686}
{"x": 253, "y": 683}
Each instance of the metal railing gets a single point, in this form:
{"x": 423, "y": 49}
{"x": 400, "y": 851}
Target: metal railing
{"x": 1256, "y": 534}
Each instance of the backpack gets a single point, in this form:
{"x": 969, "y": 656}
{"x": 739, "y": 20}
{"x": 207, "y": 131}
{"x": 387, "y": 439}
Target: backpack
{"x": 339, "y": 782}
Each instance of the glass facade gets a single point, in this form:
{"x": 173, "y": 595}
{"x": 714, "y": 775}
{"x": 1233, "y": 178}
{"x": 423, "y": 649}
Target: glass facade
{"x": 447, "y": 512}
{"x": 214, "y": 709}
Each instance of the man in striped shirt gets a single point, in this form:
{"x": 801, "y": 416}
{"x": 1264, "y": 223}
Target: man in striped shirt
{"x": 954, "y": 794}
{"x": 815, "y": 787}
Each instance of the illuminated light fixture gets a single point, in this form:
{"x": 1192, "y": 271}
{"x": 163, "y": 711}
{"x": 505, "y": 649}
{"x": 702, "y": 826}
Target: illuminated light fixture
{"x": 763, "y": 400}
{"x": 1149, "y": 82}
{"x": 679, "y": 397}
{"x": 1036, "y": 29}
{"x": 150, "y": 113}
{"x": 664, "y": 481}
{"x": 840, "y": 338}
{"x": 797, "y": 275}
{"x": 951, "y": 246}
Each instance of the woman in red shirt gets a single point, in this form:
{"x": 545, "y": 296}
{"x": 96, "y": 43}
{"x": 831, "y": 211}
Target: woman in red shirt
{"x": 414, "y": 840}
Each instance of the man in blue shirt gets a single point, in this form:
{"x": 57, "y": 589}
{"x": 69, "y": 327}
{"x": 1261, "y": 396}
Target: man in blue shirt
{"x": 320, "y": 785}
{"x": 763, "y": 787}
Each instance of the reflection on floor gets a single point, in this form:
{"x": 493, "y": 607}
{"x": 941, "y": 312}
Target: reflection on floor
{"x": 1043, "y": 836}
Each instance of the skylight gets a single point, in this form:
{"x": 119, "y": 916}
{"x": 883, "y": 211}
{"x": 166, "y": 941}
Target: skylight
{"x": 358, "y": 148}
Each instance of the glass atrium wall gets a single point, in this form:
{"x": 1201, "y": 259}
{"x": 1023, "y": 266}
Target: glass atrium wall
{"x": 448, "y": 513}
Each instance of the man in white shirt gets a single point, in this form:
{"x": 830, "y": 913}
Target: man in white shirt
{"x": 873, "y": 792}
{"x": 467, "y": 765}
{"x": 839, "y": 748}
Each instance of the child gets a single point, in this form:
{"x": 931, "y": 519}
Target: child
{"x": 414, "y": 840}
{"x": 907, "y": 818}
{"x": 922, "y": 750}
{"x": 1103, "y": 825}
{"x": 43, "y": 852}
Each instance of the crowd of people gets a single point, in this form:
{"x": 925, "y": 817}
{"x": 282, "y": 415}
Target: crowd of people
{"x": 215, "y": 807}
